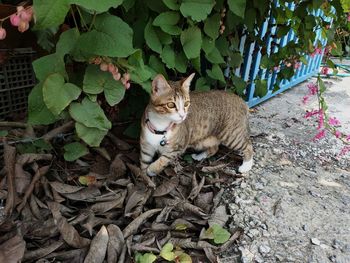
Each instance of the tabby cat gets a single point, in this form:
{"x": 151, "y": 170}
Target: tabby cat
{"x": 176, "y": 120}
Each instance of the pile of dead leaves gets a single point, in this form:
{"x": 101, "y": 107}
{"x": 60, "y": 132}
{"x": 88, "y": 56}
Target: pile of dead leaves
{"x": 54, "y": 211}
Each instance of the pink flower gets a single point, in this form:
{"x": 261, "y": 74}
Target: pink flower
{"x": 23, "y": 26}
{"x": 309, "y": 114}
{"x": 338, "y": 134}
{"x": 26, "y": 15}
{"x": 320, "y": 135}
{"x": 345, "y": 150}
{"x": 2, "y": 33}
{"x": 312, "y": 88}
{"x": 318, "y": 50}
{"x": 348, "y": 17}
{"x": 334, "y": 121}
{"x": 305, "y": 99}
{"x": 348, "y": 137}
{"x": 276, "y": 68}
{"x": 320, "y": 120}
{"x": 324, "y": 70}
{"x": 15, "y": 20}
{"x": 297, "y": 65}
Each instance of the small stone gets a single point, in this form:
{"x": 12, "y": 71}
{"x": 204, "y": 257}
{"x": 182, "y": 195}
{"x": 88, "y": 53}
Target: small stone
{"x": 305, "y": 227}
{"x": 259, "y": 186}
{"x": 266, "y": 233}
{"x": 315, "y": 241}
{"x": 263, "y": 249}
{"x": 243, "y": 185}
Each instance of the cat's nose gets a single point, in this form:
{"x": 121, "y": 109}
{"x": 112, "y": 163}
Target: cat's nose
{"x": 182, "y": 115}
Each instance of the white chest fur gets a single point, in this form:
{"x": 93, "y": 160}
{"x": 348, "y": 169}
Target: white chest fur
{"x": 155, "y": 139}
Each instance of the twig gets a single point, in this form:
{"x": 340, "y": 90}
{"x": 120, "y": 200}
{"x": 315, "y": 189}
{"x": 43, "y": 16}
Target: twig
{"x": 10, "y": 161}
{"x": 61, "y": 129}
{"x": 13, "y": 124}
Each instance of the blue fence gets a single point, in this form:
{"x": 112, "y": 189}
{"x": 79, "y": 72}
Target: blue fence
{"x": 250, "y": 69}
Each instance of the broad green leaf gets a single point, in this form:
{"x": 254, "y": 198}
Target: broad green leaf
{"x": 167, "y": 252}
{"x": 67, "y": 41}
{"x": 95, "y": 79}
{"x": 215, "y": 57}
{"x": 196, "y": 63}
{"x": 50, "y": 13}
{"x": 152, "y": 38}
{"x": 216, "y": 73}
{"x": 157, "y": 65}
{"x": 99, "y": 6}
{"x": 197, "y": 10}
{"x": 127, "y": 4}
{"x": 114, "y": 91}
{"x": 145, "y": 258}
{"x": 140, "y": 72}
{"x": 202, "y": 85}
{"x": 191, "y": 40}
{"x": 157, "y": 6}
{"x": 239, "y": 85}
{"x": 167, "y": 22}
{"x": 47, "y": 65}
{"x": 260, "y": 88}
{"x": 90, "y": 114}
{"x": 208, "y": 44}
{"x": 168, "y": 56}
{"x": 237, "y": 7}
{"x": 221, "y": 235}
{"x": 57, "y": 94}
{"x": 164, "y": 38}
{"x": 111, "y": 37}
{"x": 181, "y": 62}
{"x": 92, "y": 136}
{"x": 212, "y": 26}
{"x": 172, "y": 4}
{"x": 74, "y": 151}
{"x": 235, "y": 59}
{"x": 38, "y": 113}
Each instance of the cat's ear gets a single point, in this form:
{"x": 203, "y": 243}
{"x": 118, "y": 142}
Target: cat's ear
{"x": 187, "y": 82}
{"x": 160, "y": 85}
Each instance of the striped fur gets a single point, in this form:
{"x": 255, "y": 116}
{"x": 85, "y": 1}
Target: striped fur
{"x": 203, "y": 121}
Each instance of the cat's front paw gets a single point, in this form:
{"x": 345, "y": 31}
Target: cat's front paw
{"x": 150, "y": 172}
{"x": 200, "y": 156}
{"x": 246, "y": 166}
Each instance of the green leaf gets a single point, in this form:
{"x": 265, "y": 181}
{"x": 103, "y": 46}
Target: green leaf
{"x": 95, "y": 79}
{"x": 114, "y": 91}
{"x": 3, "y": 133}
{"x": 157, "y": 65}
{"x": 237, "y": 7}
{"x": 181, "y": 62}
{"x": 212, "y": 26}
{"x": 172, "y": 4}
{"x": 50, "y": 13}
{"x": 92, "y": 136}
{"x": 47, "y": 65}
{"x": 111, "y": 37}
{"x": 184, "y": 258}
{"x": 321, "y": 85}
{"x": 215, "y": 57}
{"x": 239, "y": 85}
{"x": 201, "y": 85}
{"x": 260, "y": 88}
{"x": 164, "y": 38}
{"x": 152, "y": 38}
{"x": 235, "y": 59}
{"x": 216, "y": 73}
{"x": 99, "y": 6}
{"x": 208, "y": 44}
{"x": 38, "y": 113}
{"x": 196, "y": 63}
{"x": 197, "y": 10}
{"x": 191, "y": 40}
{"x": 57, "y": 94}
{"x": 67, "y": 41}
{"x": 74, "y": 151}
{"x": 167, "y": 252}
{"x": 168, "y": 56}
{"x": 145, "y": 258}
{"x": 221, "y": 235}
{"x": 90, "y": 114}
{"x": 167, "y": 22}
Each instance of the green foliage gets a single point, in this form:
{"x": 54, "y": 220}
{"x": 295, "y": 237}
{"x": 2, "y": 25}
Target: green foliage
{"x": 74, "y": 151}
{"x": 167, "y": 252}
{"x": 145, "y": 258}
{"x": 145, "y": 38}
{"x": 218, "y": 234}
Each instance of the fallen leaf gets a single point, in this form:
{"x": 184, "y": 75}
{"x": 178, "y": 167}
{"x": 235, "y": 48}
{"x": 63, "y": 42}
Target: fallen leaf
{"x": 167, "y": 252}
{"x": 115, "y": 243}
{"x": 42, "y": 252}
{"x": 65, "y": 188}
{"x": 102, "y": 207}
{"x": 10, "y": 157}
{"x": 219, "y": 217}
{"x": 12, "y": 250}
{"x": 117, "y": 168}
{"x": 166, "y": 186}
{"x": 98, "y": 247}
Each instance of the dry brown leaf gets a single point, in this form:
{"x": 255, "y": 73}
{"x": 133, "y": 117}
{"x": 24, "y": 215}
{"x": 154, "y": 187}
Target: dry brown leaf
{"x": 215, "y": 168}
{"x": 65, "y": 188}
{"x": 163, "y": 216}
{"x": 73, "y": 256}
{"x": 137, "y": 222}
{"x": 41, "y": 229}
{"x": 10, "y": 159}
{"x": 229, "y": 242}
{"x": 87, "y": 194}
{"x": 27, "y": 158}
{"x": 210, "y": 255}
{"x": 137, "y": 172}
{"x": 120, "y": 144}
{"x": 98, "y": 247}
{"x": 35, "y": 208}
{"x": 196, "y": 188}
{"x": 42, "y": 252}
{"x": 117, "y": 168}
{"x": 137, "y": 199}
{"x": 166, "y": 186}
{"x": 115, "y": 243}
{"x": 68, "y": 232}
{"x": 12, "y": 250}
{"x": 23, "y": 179}
{"x": 103, "y": 152}
{"x": 219, "y": 216}
{"x": 204, "y": 201}
{"x": 217, "y": 198}
{"x": 102, "y": 207}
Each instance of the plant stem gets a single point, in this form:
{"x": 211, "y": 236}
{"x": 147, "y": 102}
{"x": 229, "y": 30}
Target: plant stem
{"x": 75, "y": 21}
{"x": 82, "y": 19}
{"x": 93, "y": 21}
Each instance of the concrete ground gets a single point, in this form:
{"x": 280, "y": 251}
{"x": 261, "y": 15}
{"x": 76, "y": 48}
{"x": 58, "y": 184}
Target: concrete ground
{"x": 295, "y": 203}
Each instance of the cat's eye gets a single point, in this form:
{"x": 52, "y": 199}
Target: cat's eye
{"x": 171, "y": 105}
{"x": 187, "y": 103}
